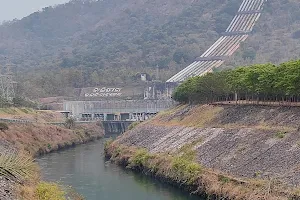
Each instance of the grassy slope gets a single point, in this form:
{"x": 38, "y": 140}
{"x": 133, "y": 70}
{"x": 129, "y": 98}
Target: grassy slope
{"x": 258, "y": 117}
{"x": 40, "y": 137}
{"x": 39, "y": 116}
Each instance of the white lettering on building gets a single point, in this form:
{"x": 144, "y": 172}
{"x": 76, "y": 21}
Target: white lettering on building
{"x": 105, "y": 92}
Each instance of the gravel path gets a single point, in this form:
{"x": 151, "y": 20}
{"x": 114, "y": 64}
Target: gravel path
{"x": 6, "y": 189}
{"x": 6, "y": 186}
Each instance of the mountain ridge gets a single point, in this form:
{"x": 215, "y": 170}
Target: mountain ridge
{"x": 108, "y": 42}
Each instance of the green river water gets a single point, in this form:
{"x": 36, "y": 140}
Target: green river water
{"x": 85, "y": 169}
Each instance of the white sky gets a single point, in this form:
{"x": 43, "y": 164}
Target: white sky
{"x": 11, "y": 9}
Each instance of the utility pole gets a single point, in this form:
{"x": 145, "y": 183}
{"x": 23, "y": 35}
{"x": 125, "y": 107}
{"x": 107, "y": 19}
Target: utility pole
{"x": 157, "y": 72}
{"x": 7, "y": 84}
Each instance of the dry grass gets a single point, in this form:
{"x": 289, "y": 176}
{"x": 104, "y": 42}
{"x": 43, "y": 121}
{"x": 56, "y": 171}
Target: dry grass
{"x": 24, "y": 172}
{"x": 34, "y": 139}
{"x": 16, "y": 166}
{"x": 202, "y": 116}
{"x": 197, "y": 116}
{"x": 30, "y": 114}
{"x": 43, "y": 138}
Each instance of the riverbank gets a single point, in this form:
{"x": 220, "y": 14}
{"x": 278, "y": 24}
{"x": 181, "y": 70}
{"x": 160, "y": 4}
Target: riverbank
{"x": 238, "y": 152}
{"x": 36, "y": 138}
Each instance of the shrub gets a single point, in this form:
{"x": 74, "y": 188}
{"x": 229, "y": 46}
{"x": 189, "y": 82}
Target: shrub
{"x": 133, "y": 125}
{"x": 139, "y": 159}
{"x": 187, "y": 170}
{"x": 3, "y": 126}
{"x": 223, "y": 179}
{"x": 280, "y": 135}
{"x": 49, "y": 191}
{"x": 70, "y": 123}
{"x": 108, "y": 143}
{"x": 72, "y": 194}
{"x": 15, "y": 166}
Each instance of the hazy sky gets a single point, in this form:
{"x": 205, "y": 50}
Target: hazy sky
{"x": 11, "y": 9}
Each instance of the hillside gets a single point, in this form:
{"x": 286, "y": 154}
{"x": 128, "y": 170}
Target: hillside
{"x": 275, "y": 38}
{"x": 87, "y": 43}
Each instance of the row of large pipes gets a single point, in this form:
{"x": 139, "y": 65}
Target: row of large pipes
{"x": 243, "y": 22}
{"x": 237, "y": 32}
{"x": 248, "y": 5}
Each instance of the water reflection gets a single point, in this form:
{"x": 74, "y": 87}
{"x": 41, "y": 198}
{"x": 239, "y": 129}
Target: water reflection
{"x": 84, "y": 168}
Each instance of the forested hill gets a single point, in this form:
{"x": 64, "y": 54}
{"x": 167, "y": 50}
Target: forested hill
{"x": 87, "y": 43}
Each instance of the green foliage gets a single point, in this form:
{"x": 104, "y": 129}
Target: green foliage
{"x": 70, "y": 122}
{"x": 224, "y": 179}
{"x": 280, "y": 134}
{"x": 256, "y": 82}
{"x": 71, "y": 193}
{"x": 65, "y": 53}
{"x": 49, "y": 191}
{"x": 139, "y": 159}
{"x": 133, "y": 125}
{"x": 22, "y": 102}
{"x": 15, "y": 166}
{"x": 68, "y": 47}
{"x": 187, "y": 170}
{"x": 182, "y": 168}
{"x": 4, "y": 103}
{"x": 108, "y": 143}
{"x": 188, "y": 151}
{"x": 3, "y": 126}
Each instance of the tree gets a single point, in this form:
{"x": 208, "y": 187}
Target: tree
{"x": 70, "y": 122}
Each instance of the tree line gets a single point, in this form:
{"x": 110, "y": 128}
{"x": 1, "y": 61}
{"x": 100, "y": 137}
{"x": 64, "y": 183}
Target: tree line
{"x": 263, "y": 82}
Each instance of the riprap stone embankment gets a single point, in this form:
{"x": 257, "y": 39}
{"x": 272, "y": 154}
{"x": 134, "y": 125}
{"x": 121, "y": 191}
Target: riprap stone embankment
{"x": 243, "y": 141}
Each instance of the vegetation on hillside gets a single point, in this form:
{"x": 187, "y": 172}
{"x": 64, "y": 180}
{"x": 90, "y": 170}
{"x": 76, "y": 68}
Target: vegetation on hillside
{"x": 87, "y": 43}
{"x": 275, "y": 37}
{"x": 265, "y": 82}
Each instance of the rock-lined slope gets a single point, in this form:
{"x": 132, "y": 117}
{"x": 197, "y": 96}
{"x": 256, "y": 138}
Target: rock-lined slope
{"x": 244, "y": 141}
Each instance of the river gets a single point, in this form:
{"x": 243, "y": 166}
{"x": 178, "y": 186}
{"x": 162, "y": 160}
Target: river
{"x": 84, "y": 168}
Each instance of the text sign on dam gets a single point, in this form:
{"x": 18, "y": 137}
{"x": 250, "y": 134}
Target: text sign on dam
{"x": 104, "y": 92}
